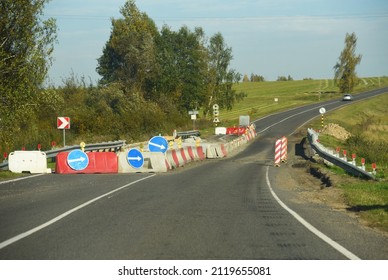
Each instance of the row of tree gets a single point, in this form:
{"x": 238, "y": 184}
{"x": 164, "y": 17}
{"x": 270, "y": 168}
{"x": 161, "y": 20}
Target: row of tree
{"x": 150, "y": 79}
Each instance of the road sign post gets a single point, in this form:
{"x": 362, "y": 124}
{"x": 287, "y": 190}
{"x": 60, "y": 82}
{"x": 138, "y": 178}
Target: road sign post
{"x": 63, "y": 123}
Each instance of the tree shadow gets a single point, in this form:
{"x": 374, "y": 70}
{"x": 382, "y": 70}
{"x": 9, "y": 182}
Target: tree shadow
{"x": 363, "y": 208}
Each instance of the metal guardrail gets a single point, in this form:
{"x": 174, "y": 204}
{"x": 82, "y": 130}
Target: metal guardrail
{"x": 329, "y": 156}
{"x": 105, "y": 146}
{"x": 187, "y": 134}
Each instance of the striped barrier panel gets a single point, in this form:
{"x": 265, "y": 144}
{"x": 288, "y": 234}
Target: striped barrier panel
{"x": 278, "y": 149}
{"x": 283, "y": 156}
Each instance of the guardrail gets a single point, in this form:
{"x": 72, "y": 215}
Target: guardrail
{"x": 105, "y": 146}
{"x": 328, "y": 155}
{"x": 187, "y": 134}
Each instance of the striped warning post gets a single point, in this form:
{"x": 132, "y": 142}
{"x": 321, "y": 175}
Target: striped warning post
{"x": 278, "y": 149}
{"x": 283, "y": 156}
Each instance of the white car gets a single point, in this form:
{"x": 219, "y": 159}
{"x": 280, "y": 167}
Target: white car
{"x": 347, "y": 97}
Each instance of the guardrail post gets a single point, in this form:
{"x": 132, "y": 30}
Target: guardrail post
{"x": 374, "y": 168}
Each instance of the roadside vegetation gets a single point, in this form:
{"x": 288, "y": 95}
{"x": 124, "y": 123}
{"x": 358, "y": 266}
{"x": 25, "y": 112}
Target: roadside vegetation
{"x": 152, "y": 78}
{"x": 366, "y": 121}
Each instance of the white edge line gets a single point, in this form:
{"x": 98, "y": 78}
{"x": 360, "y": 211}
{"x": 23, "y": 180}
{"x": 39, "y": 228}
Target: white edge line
{"x": 310, "y": 227}
{"x": 60, "y": 217}
{"x": 21, "y": 178}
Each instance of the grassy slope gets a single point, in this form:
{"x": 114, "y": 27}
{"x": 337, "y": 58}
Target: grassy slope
{"x": 368, "y": 198}
{"x": 368, "y": 120}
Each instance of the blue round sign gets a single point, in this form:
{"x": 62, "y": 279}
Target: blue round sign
{"x": 77, "y": 160}
{"x": 135, "y": 158}
{"x": 158, "y": 144}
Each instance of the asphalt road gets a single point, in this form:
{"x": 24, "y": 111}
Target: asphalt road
{"x": 218, "y": 209}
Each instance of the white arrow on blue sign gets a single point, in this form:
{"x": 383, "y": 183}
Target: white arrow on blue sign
{"x": 158, "y": 144}
{"x": 135, "y": 158}
{"x": 77, "y": 160}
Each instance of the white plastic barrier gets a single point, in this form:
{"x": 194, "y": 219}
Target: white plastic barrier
{"x": 153, "y": 162}
{"x": 216, "y": 151}
{"x": 28, "y": 161}
{"x": 220, "y": 131}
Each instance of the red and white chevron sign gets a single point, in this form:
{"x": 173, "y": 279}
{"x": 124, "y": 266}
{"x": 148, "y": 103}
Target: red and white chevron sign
{"x": 63, "y": 123}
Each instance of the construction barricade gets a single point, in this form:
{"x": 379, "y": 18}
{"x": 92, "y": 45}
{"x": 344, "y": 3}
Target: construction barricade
{"x": 153, "y": 162}
{"x": 28, "y": 161}
{"x": 98, "y": 162}
{"x": 280, "y": 151}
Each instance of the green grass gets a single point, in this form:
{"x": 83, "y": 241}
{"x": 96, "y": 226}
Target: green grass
{"x": 370, "y": 201}
{"x": 261, "y": 96}
{"x": 367, "y": 121}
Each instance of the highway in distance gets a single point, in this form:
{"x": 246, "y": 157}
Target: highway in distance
{"x": 232, "y": 208}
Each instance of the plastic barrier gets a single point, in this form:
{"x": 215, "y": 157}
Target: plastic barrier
{"x": 153, "y": 162}
{"x": 220, "y": 130}
{"x": 200, "y": 153}
{"x": 235, "y": 130}
{"x": 28, "y": 161}
{"x": 216, "y": 151}
{"x": 197, "y": 153}
{"x": 184, "y": 155}
{"x": 99, "y": 162}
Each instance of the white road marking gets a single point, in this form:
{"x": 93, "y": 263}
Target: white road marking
{"x": 67, "y": 213}
{"x": 21, "y": 178}
{"x": 289, "y": 117}
{"x": 311, "y": 228}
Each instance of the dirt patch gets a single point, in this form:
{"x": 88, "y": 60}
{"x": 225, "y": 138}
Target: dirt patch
{"x": 336, "y": 131}
{"x": 307, "y": 180}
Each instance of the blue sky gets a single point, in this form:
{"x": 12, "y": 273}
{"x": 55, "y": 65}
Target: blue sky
{"x": 301, "y": 38}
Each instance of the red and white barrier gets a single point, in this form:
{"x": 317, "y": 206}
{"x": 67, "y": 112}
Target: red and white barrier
{"x": 283, "y": 156}
{"x": 278, "y": 152}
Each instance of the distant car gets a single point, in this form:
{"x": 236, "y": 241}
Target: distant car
{"x": 347, "y": 97}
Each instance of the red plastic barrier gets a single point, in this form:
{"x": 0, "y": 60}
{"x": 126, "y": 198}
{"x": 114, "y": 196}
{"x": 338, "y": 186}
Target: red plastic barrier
{"x": 99, "y": 162}
{"x": 201, "y": 153}
{"x": 235, "y": 130}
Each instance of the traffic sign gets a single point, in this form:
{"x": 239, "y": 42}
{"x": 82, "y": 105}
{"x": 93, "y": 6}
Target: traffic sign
{"x": 63, "y": 123}
{"x": 135, "y": 158}
{"x": 77, "y": 160}
{"x": 158, "y": 144}
{"x": 322, "y": 110}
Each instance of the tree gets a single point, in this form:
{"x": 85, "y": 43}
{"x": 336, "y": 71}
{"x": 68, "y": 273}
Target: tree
{"x": 345, "y": 69}
{"x": 129, "y": 55}
{"x": 221, "y": 78}
{"x": 182, "y": 60}
{"x": 26, "y": 46}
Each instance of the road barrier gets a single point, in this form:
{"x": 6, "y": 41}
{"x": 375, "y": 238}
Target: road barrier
{"x": 28, "y": 161}
{"x": 334, "y": 158}
{"x": 284, "y": 152}
{"x": 281, "y": 151}
{"x": 153, "y": 162}
{"x": 114, "y": 162}
{"x": 278, "y": 152}
{"x": 99, "y": 162}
